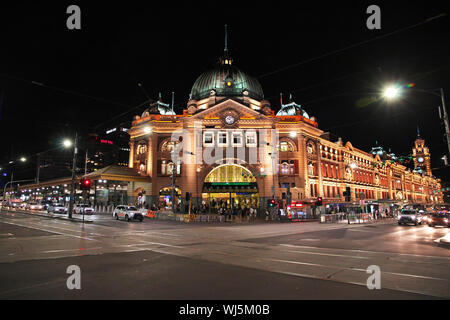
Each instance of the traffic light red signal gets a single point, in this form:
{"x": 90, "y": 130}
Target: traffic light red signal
{"x": 86, "y": 184}
{"x": 319, "y": 201}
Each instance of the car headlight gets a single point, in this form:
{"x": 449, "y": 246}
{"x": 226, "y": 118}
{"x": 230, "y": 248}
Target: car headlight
{"x": 446, "y": 220}
{"x": 399, "y": 217}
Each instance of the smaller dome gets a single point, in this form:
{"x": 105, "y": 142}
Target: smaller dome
{"x": 159, "y": 108}
{"x": 292, "y": 109}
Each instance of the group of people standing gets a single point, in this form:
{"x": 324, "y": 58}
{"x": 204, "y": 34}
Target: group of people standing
{"x": 242, "y": 213}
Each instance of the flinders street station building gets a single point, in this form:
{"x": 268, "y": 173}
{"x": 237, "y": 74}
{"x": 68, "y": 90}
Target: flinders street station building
{"x": 231, "y": 147}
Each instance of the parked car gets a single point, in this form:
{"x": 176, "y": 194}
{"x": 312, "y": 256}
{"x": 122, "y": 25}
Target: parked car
{"x": 426, "y": 217}
{"x": 127, "y": 213}
{"x": 409, "y": 216}
{"x": 439, "y": 219}
{"x": 56, "y": 208}
{"x": 83, "y": 208}
{"x": 34, "y": 206}
{"x": 46, "y": 204}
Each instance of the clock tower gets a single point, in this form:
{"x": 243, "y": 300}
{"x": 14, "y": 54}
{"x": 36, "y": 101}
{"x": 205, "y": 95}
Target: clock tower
{"x": 421, "y": 155}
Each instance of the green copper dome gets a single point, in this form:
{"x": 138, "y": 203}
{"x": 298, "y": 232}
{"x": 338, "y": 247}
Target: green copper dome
{"x": 226, "y": 80}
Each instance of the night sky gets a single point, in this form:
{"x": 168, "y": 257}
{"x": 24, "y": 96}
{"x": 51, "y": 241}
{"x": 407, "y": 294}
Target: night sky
{"x": 54, "y": 81}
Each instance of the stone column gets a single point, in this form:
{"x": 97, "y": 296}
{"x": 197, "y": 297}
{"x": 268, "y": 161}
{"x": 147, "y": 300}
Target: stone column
{"x": 131, "y": 155}
{"x": 319, "y": 170}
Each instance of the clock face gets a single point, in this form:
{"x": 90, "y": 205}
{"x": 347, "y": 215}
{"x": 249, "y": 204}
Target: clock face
{"x": 420, "y": 159}
{"x": 229, "y": 120}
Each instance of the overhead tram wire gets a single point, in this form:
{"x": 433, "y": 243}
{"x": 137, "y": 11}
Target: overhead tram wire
{"x": 414, "y": 77}
{"x": 353, "y": 45}
{"x": 72, "y": 92}
{"x": 75, "y": 93}
{"x": 148, "y": 101}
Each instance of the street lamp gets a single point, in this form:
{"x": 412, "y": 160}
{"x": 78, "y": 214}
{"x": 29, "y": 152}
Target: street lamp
{"x": 67, "y": 143}
{"x": 391, "y": 92}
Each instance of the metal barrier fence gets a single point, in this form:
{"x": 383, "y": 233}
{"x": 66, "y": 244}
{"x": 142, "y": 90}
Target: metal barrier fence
{"x": 351, "y": 218}
{"x": 204, "y": 218}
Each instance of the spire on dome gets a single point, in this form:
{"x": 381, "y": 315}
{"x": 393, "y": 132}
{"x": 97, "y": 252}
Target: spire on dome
{"x": 226, "y": 59}
{"x": 225, "y": 51}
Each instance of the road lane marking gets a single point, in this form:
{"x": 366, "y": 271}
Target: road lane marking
{"x": 365, "y": 251}
{"x": 156, "y": 243}
{"x": 356, "y": 269}
{"x": 42, "y": 229}
{"x": 71, "y": 250}
{"x": 328, "y": 254}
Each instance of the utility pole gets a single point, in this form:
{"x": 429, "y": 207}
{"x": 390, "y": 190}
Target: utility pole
{"x": 85, "y": 162}
{"x": 72, "y": 191}
{"x": 446, "y": 120}
{"x": 38, "y": 168}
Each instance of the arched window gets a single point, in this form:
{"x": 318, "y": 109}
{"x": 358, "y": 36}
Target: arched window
{"x": 169, "y": 167}
{"x": 163, "y": 167}
{"x": 285, "y": 168}
{"x": 286, "y": 146}
{"x": 311, "y": 169}
{"x": 230, "y": 173}
{"x": 311, "y": 148}
{"x": 169, "y": 146}
{"x": 141, "y": 148}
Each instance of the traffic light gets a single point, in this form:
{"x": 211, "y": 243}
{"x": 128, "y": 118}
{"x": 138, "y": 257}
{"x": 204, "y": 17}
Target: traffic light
{"x": 319, "y": 201}
{"x": 272, "y": 203}
{"x": 86, "y": 184}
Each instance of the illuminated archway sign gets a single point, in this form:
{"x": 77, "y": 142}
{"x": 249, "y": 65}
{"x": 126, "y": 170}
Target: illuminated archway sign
{"x": 232, "y": 181}
{"x": 230, "y": 178}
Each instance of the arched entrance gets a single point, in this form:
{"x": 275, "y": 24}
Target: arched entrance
{"x": 231, "y": 186}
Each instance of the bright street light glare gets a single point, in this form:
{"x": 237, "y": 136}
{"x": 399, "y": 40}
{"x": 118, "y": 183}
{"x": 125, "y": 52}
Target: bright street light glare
{"x": 67, "y": 143}
{"x": 391, "y": 92}
{"x": 23, "y": 159}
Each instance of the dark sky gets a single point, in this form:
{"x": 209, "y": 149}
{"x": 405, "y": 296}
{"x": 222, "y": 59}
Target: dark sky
{"x": 90, "y": 76}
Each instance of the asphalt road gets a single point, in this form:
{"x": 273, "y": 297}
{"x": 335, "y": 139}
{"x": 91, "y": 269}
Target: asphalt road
{"x": 169, "y": 260}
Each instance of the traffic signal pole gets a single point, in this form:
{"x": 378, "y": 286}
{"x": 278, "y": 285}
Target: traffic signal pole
{"x": 72, "y": 191}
